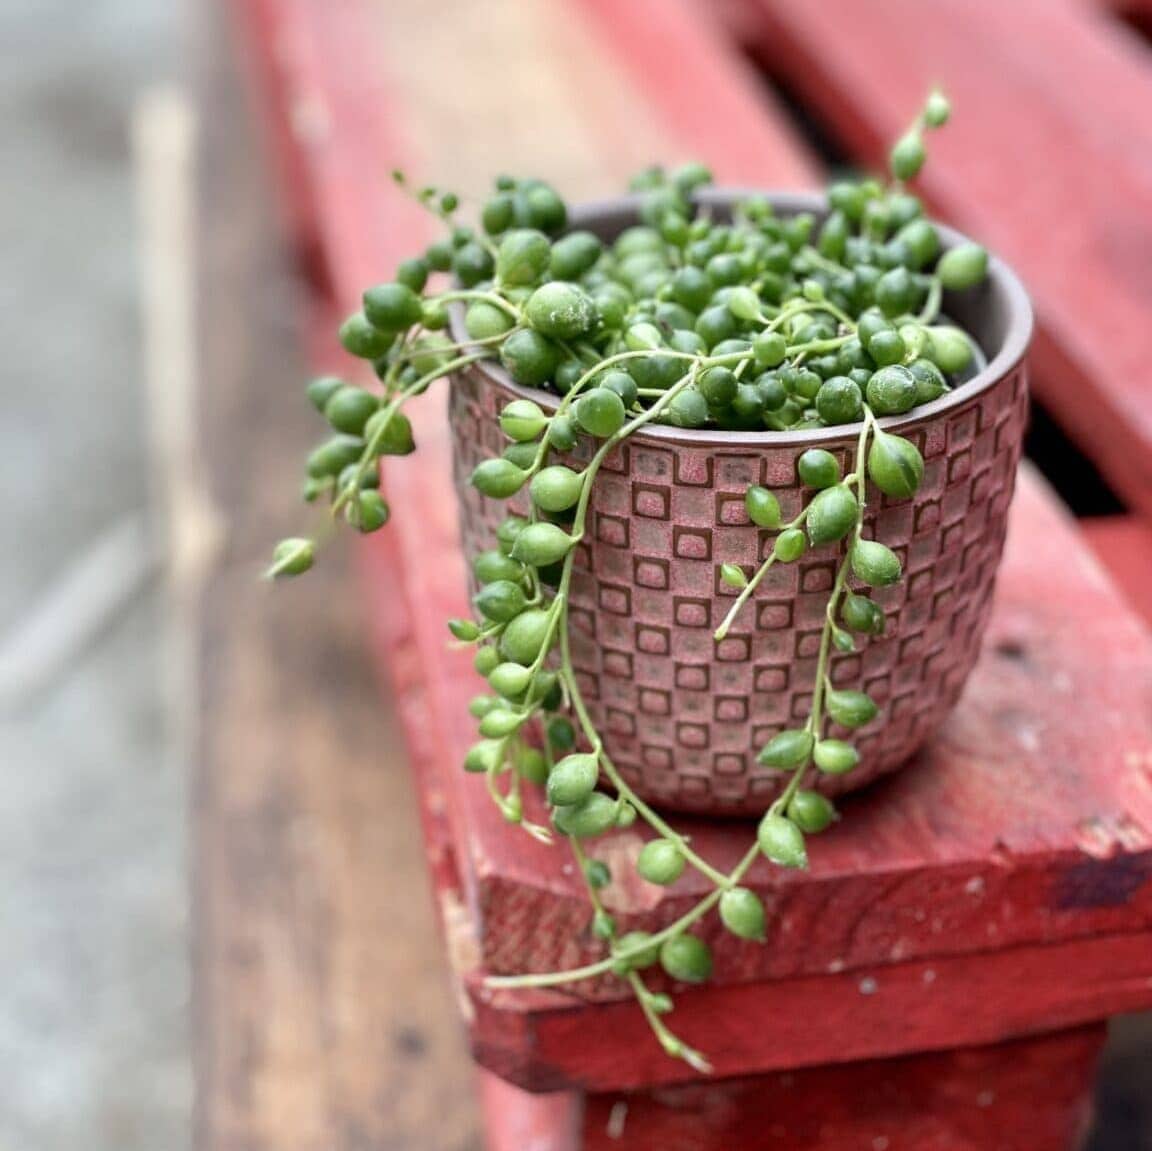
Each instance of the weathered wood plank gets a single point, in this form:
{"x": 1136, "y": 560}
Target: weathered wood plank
{"x": 547, "y": 1041}
{"x": 981, "y": 852}
{"x": 1023, "y": 1096}
{"x": 946, "y": 858}
{"x": 1046, "y": 160}
{"x": 1124, "y": 545}
{"x": 311, "y": 891}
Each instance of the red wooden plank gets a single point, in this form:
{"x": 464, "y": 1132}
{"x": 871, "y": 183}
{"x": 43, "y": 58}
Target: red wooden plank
{"x": 342, "y": 117}
{"x": 1047, "y": 160}
{"x": 944, "y": 859}
{"x": 330, "y": 102}
{"x": 258, "y": 20}
{"x": 953, "y": 820}
{"x": 675, "y": 54}
{"x": 1032, "y": 1095}
{"x": 545, "y": 1042}
{"x": 519, "y": 881}
{"x": 1028, "y": 1095}
{"x": 515, "y": 1120}
{"x": 1124, "y": 546}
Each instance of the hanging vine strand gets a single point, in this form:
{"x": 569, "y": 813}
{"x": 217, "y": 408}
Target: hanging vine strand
{"x": 766, "y": 322}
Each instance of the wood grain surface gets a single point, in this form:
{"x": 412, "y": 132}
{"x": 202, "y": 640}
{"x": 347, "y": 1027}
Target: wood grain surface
{"x": 1046, "y": 160}
{"x": 992, "y": 865}
{"x": 1016, "y": 854}
{"x": 322, "y": 1004}
{"x": 981, "y": 1100}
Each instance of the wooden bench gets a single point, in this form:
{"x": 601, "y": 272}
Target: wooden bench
{"x": 1046, "y": 160}
{"x": 950, "y": 957}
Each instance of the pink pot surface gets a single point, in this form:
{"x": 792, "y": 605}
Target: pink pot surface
{"x": 683, "y": 716}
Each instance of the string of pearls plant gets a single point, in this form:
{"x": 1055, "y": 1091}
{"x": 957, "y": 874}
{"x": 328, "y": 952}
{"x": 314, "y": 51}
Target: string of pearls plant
{"x": 764, "y": 323}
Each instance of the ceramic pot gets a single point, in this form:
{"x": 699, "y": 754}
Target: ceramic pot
{"x": 683, "y": 716}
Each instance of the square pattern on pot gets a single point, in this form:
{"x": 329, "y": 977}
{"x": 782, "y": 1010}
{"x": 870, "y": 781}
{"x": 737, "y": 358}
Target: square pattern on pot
{"x": 681, "y": 712}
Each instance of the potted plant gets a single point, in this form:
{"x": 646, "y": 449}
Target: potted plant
{"x": 733, "y": 474}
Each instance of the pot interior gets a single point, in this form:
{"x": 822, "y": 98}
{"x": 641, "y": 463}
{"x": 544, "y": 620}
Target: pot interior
{"x": 996, "y": 314}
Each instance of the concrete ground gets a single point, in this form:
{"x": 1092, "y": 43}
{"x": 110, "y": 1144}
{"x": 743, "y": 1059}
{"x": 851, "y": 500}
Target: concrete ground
{"x": 93, "y": 894}
{"x": 93, "y": 809}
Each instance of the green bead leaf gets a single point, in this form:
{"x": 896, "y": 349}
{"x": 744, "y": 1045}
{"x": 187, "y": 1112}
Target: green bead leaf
{"x": 603, "y": 925}
{"x": 322, "y": 389}
{"x": 762, "y": 506}
{"x": 498, "y": 479}
{"x": 875, "y": 564}
{"x": 686, "y": 958}
{"x": 531, "y": 764}
{"x": 895, "y": 465}
{"x": 907, "y": 157}
{"x": 485, "y": 756}
{"x": 501, "y": 722}
{"x": 486, "y": 658}
{"x": 742, "y": 912}
{"x": 369, "y": 512}
{"x": 951, "y": 349}
{"x": 600, "y": 412}
{"x": 850, "y": 708}
{"x": 733, "y": 576}
{"x": 464, "y": 630}
{"x": 646, "y": 952}
{"x": 392, "y": 307}
{"x": 542, "y": 544}
{"x": 597, "y": 874}
{"x": 892, "y": 390}
{"x": 835, "y": 757}
{"x": 561, "y": 734}
{"x": 390, "y": 433}
{"x": 832, "y": 514}
{"x": 291, "y": 557}
{"x": 818, "y": 468}
{"x": 811, "y": 812}
{"x": 510, "y": 680}
{"x": 556, "y": 488}
{"x": 962, "y": 267}
{"x": 937, "y": 110}
{"x": 862, "y": 615}
{"x": 522, "y": 420}
{"x": 523, "y": 257}
{"x": 661, "y": 862}
{"x": 524, "y": 638}
{"x": 585, "y": 820}
{"x": 562, "y": 311}
{"x": 787, "y": 750}
{"x": 334, "y": 455}
{"x": 782, "y": 841}
{"x": 572, "y": 780}
{"x": 789, "y": 545}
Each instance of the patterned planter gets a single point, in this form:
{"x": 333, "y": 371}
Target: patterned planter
{"x": 683, "y": 716}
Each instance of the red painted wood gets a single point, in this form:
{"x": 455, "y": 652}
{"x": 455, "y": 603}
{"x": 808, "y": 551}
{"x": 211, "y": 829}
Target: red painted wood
{"x": 548, "y": 1041}
{"x": 1031, "y": 1095}
{"x": 266, "y": 78}
{"x": 708, "y": 100}
{"x": 1046, "y": 160}
{"x": 938, "y": 873}
{"x": 331, "y": 105}
{"x": 515, "y": 1120}
{"x": 945, "y": 859}
{"x": 518, "y": 885}
{"x": 1124, "y": 546}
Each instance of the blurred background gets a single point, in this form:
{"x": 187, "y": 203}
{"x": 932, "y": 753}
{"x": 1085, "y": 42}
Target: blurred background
{"x": 93, "y": 806}
{"x": 109, "y": 110}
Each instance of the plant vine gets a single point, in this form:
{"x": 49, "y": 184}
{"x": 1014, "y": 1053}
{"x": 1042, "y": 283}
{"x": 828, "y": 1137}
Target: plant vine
{"x": 766, "y": 322}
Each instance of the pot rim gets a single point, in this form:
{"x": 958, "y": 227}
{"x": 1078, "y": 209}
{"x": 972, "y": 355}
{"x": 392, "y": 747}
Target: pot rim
{"x": 1012, "y": 350}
